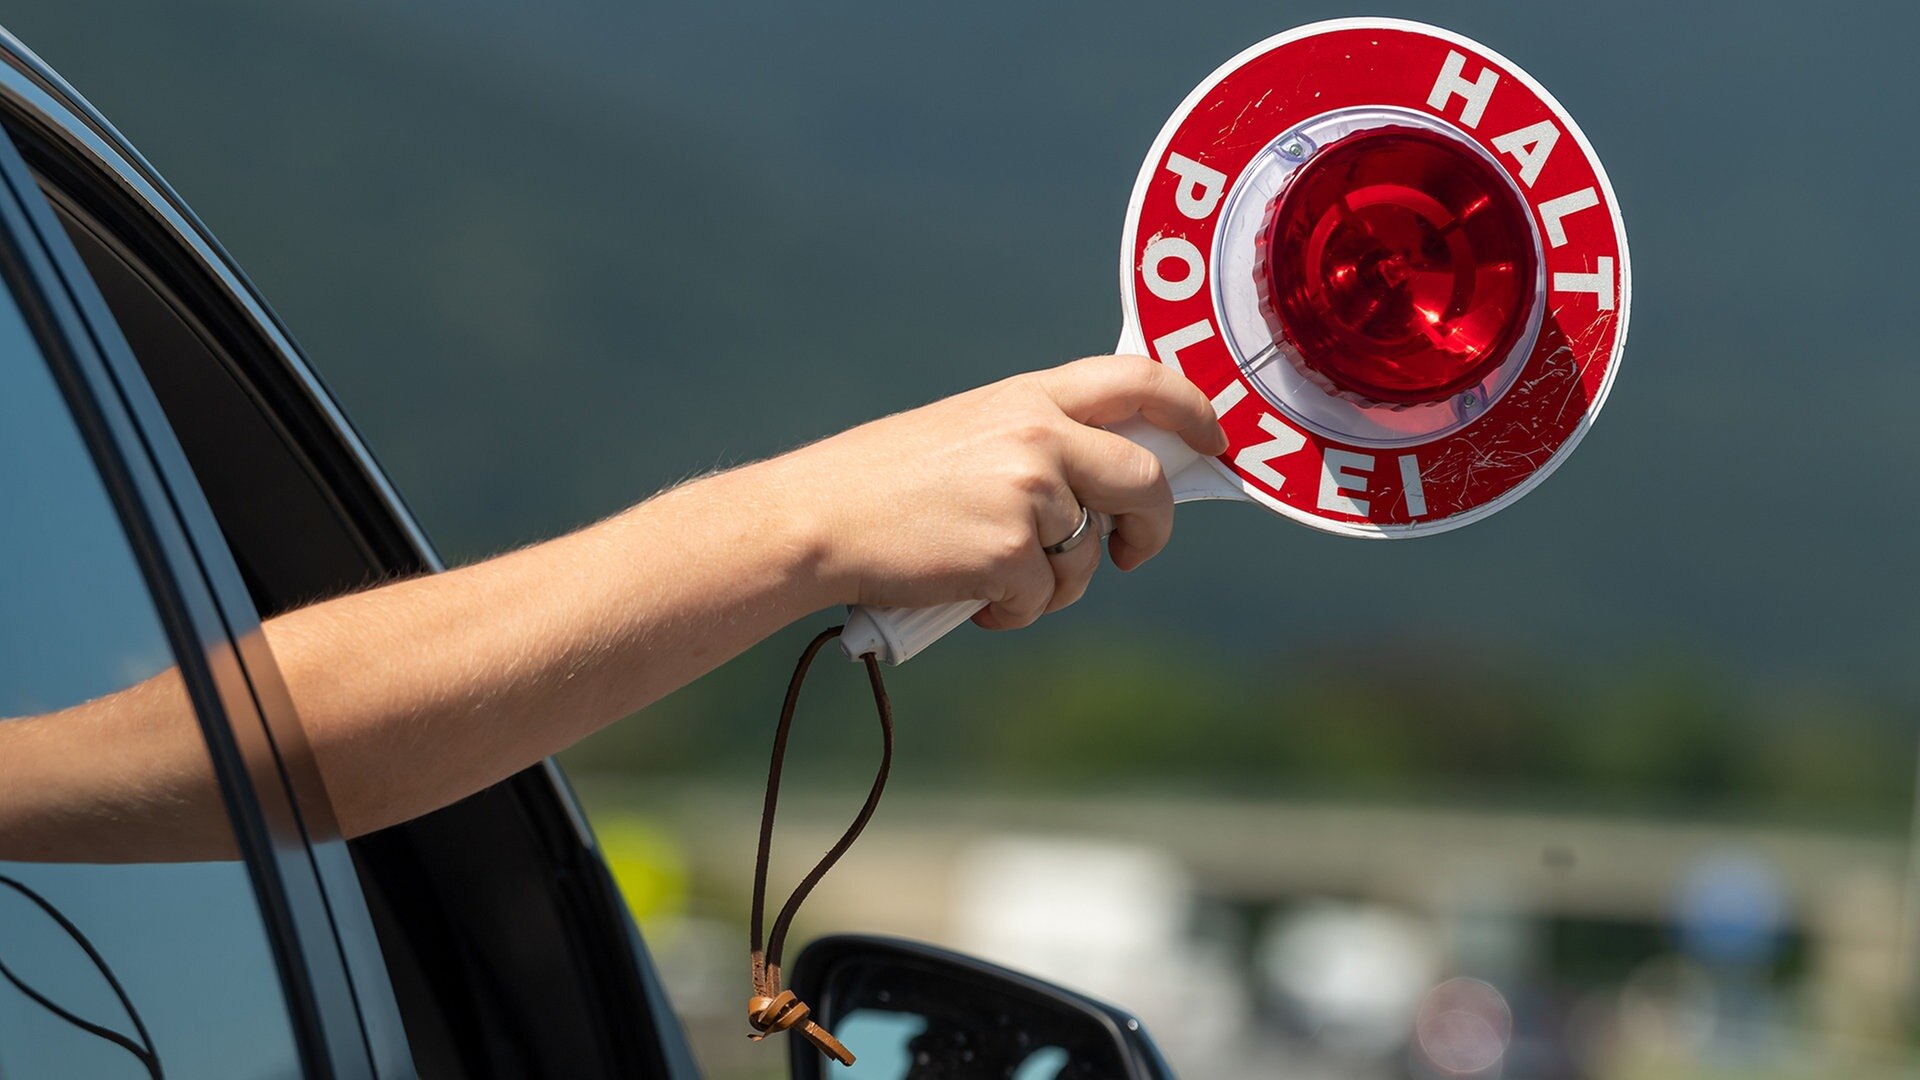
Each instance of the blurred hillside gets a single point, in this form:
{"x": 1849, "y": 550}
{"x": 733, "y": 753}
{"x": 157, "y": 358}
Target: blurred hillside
{"x": 555, "y": 256}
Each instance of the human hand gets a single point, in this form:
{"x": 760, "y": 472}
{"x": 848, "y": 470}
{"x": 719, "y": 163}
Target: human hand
{"x": 955, "y": 500}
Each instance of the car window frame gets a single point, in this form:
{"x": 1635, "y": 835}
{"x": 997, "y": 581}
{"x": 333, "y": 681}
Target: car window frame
{"x": 36, "y": 104}
{"x": 176, "y": 547}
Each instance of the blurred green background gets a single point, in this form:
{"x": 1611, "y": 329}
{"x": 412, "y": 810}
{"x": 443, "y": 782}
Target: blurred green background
{"x": 555, "y": 256}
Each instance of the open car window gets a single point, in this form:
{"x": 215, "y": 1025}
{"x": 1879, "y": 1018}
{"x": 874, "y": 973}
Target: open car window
{"x": 102, "y": 922}
{"x": 486, "y": 933}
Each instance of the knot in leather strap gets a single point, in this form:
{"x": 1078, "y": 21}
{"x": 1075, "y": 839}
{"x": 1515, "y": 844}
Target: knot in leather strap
{"x": 777, "y": 1013}
{"x": 771, "y": 1009}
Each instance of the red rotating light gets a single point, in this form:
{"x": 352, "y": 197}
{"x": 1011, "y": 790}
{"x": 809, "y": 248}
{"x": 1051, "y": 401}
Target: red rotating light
{"x": 1399, "y": 263}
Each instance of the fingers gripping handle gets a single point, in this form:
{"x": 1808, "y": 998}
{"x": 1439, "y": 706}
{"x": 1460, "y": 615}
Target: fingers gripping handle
{"x": 893, "y": 635}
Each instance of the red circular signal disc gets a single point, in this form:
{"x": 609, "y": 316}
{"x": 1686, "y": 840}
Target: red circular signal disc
{"x": 1383, "y": 487}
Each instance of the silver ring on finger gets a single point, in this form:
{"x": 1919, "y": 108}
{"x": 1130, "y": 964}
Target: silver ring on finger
{"x": 1080, "y": 534}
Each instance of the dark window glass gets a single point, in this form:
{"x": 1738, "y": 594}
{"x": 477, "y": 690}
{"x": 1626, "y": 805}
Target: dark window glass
{"x": 108, "y": 815}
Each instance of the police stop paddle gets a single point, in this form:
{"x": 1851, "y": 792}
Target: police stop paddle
{"x": 1393, "y": 262}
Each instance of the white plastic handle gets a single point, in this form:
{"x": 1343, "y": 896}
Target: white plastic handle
{"x": 893, "y": 635}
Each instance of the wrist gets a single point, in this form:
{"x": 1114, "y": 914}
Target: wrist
{"x": 796, "y": 523}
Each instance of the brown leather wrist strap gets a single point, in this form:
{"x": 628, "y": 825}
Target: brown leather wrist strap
{"x": 772, "y": 1008}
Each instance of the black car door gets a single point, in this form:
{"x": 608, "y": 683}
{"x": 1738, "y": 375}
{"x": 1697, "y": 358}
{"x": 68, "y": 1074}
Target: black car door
{"x": 482, "y": 940}
{"x": 122, "y": 952}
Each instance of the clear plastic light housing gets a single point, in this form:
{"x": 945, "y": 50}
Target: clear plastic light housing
{"x": 1400, "y": 265}
{"x": 1379, "y": 275}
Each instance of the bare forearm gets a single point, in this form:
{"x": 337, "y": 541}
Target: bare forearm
{"x": 424, "y": 691}
{"x": 122, "y": 778}
{"x": 418, "y": 693}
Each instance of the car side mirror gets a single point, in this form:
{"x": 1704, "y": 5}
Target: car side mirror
{"x": 916, "y": 1012}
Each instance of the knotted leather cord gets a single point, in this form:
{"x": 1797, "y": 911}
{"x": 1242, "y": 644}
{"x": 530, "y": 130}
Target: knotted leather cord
{"x": 772, "y": 1008}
